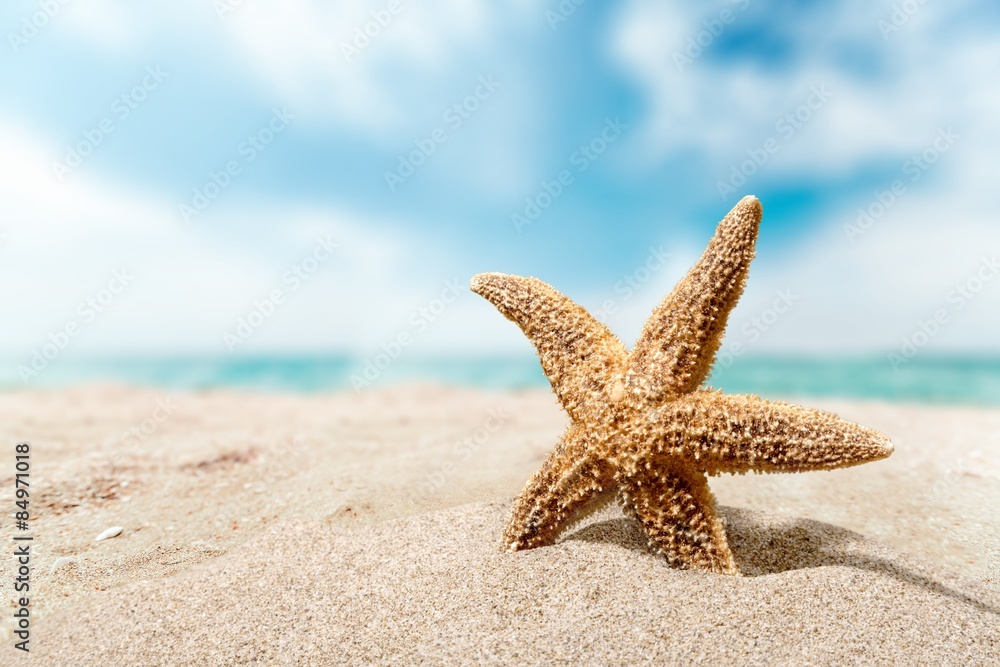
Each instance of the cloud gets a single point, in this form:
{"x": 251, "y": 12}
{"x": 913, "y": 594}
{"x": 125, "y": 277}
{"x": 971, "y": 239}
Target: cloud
{"x": 375, "y": 76}
{"x": 887, "y": 95}
{"x": 192, "y": 283}
{"x": 889, "y": 104}
{"x": 864, "y": 294}
{"x": 361, "y": 64}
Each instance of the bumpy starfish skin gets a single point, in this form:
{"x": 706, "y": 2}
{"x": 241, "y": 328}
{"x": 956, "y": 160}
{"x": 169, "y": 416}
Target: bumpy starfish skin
{"x": 642, "y": 427}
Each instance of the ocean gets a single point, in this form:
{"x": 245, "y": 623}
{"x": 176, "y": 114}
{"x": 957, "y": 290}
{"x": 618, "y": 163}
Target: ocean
{"x": 953, "y": 380}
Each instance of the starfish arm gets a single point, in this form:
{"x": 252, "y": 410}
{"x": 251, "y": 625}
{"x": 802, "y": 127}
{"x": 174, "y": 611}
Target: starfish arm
{"x": 677, "y": 347}
{"x": 677, "y": 510}
{"x": 737, "y": 434}
{"x": 580, "y": 357}
{"x": 567, "y": 483}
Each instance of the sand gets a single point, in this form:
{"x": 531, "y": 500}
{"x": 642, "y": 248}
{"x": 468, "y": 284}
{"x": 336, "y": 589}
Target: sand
{"x": 362, "y": 529}
{"x": 434, "y": 588}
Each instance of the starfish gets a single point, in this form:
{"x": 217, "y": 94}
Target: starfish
{"x": 643, "y": 428}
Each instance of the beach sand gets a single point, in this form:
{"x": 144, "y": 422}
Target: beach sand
{"x": 354, "y": 529}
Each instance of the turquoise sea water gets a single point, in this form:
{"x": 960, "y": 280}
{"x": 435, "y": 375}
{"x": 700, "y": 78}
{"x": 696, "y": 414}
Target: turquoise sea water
{"x": 932, "y": 379}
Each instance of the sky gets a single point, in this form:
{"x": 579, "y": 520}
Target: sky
{"x": 221, "y": 177}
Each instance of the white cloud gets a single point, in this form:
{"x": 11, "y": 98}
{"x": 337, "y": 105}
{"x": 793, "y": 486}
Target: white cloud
{"x": 192, "y": 282}
{"x": 388, "y": 87}
{"x": 919, "y": 79}
{"x": 396, "y": 87}
{"x": 296, "y": 50}
{"x": 865, "y": 296}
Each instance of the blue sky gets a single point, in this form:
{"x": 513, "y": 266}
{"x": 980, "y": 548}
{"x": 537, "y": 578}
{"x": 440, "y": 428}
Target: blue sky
{"x": 817, "y": 108}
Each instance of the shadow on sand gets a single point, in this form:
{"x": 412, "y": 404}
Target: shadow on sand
{"x": 782, "y": 545}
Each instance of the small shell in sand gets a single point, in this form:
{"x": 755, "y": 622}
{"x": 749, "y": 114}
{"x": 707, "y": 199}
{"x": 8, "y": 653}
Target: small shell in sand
{"x": 114, "y": 531}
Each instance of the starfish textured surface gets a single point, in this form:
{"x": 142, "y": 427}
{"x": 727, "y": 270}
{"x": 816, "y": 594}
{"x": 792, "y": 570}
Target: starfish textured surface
{"x": 643, "y": 427}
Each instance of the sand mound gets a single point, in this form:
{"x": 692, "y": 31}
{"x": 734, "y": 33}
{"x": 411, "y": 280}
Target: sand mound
{"x": 434, "y": 589}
